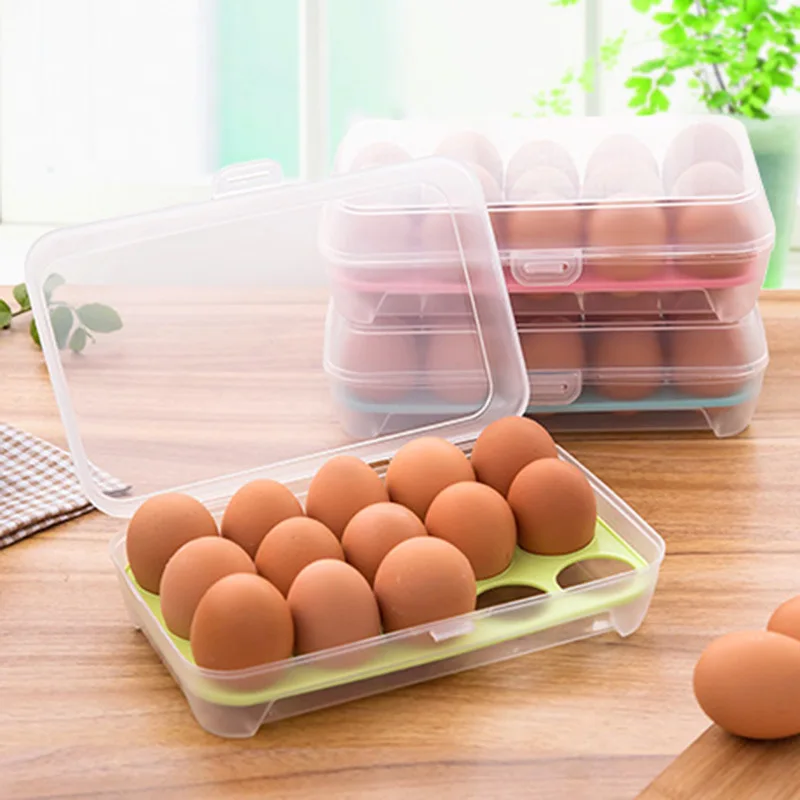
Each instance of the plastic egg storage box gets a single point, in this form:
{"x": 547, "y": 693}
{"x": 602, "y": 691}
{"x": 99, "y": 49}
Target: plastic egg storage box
{"x": 217, "y": 377}
{"x": 627, "y": 375}
{"x": 670, "y": 212}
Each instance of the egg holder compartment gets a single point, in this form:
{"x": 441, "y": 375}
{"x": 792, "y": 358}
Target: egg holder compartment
{"x": 436, "y": 641}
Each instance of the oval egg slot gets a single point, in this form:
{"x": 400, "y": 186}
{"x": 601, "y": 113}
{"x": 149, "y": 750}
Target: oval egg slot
{"x": 590, "y": 570}
{"x": 507, "y": 594}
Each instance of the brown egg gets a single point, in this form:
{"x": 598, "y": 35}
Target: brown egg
{"x": 552, "y": 348}
{"x": 542, "y": 217}
{"x": 374, "y": 531}
{"x": 542, "y": 153}
{"x": 158, "y": 528}
{"x": 241, "y": 621}
{"x": 191, "y": 571}
{"x": 479, "y": 522}
{"x": 786, "y": 618}
{"x": 454, "y": 368}
{"x": 332, "y": 605}
{"x": 423, "y": 580}
{"x": 747, "y": 683}
{"x": 292, "y": 545}
{"x": 378, "y": 367}
{"x": 442, "y": 230}
{"x": 555, "y": 508}
{"x": 505, "y": 446}
{"x": 341, "y": 488}
{"x": 629, "y": 363}
{"x": 627, "y": 225}
{"x": 423, "y": 467}
{"x": 379, "y": 154}
{"x": 703, "y": 141}
{"x": 708, "y": 362}
{"x": 725, "y": 223}
{"x": 255, "y": 510}
{"x": 473, "y": 148}
{"x": 623, "y": 150}
{"x": 623, "y": 180}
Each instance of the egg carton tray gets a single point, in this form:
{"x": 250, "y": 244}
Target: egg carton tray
{"x": 551, "y": 605}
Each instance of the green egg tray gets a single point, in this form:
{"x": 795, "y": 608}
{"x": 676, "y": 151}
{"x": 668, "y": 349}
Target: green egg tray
{"x": 441, "y": 640}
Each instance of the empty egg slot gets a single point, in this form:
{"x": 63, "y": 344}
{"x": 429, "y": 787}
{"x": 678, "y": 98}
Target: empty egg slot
{"x": 499, "y": 595}
{"x": 590, "y": 570}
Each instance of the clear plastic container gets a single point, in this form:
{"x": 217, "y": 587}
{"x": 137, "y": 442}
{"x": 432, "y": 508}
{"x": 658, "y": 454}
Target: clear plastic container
{"x": 672, "y": 206}
{"x": 217, "y": 377}
{"x": 583, "y": 375}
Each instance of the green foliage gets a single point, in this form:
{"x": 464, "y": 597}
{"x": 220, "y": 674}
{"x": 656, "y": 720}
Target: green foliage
{"x": 72, "y": 327}
{"x": 736, "y": 53}
{"x": 558, "y": 100}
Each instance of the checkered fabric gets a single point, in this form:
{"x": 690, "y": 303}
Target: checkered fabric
{"x": 38, "y": 488}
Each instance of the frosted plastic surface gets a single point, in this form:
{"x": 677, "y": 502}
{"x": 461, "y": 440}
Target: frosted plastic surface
{"x": 217, "y": 374}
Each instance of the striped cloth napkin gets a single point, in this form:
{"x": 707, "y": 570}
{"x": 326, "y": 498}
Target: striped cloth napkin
{"x": 38, "y": 487}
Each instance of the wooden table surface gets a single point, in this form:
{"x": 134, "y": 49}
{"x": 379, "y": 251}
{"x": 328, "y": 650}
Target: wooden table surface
{"x": 87, "y": 709}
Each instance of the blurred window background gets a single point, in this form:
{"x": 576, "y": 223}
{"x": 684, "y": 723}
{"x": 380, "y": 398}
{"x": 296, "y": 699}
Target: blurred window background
{"x": 110, "y": 107}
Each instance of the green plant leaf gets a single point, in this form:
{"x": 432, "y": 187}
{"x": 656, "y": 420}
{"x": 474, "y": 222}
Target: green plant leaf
{"x": 675, "y": 35}
{"x": 99, "y": 318}
{"x": 78, "y": 340}
{"x": 659, "y": 101}
{"x": 638, "y": 99}
{"x": 780, "y": 78}
{"x": 5, "y": 314}
{"x": 34, "y": 331}
{"x": 586, "y": 78}
{"x": 693, "y": 83}
{"x": 20, "y": 292}
{"x": 61, "y": 318}
{"x": 681, "y": 60}
{"x": 651, "y": 65}
{"x": 667, "y": 79}
{"x": 681, "y": 6}
{"x": 639, "y": 83}
{"x": 719, "y": 100}
{"x": 754, "y": 8}
{"x": 665, "y": 17}
{"x": 643, "y": 6}
{"x": 54, "y": 280}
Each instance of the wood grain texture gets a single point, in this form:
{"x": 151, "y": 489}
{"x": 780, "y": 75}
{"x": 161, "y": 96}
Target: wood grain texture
{"x": 87, "y": 709}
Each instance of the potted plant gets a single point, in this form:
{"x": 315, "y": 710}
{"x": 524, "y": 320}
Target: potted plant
{"x": 738, "y": 54}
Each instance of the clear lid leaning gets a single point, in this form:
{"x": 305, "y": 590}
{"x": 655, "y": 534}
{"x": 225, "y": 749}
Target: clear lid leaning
{"x": 186, "y": 346}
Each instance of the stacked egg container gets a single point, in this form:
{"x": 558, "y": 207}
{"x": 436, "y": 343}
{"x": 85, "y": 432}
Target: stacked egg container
{"x": 633, "y": 251}
{"x": 220, "y": 375}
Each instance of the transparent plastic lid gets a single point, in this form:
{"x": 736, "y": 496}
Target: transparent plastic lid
{"x": 564, "y": 191}
{"x": 186, "y": 347}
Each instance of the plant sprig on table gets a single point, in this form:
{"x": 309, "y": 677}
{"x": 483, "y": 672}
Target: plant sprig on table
{"x": 73, "y": 326}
